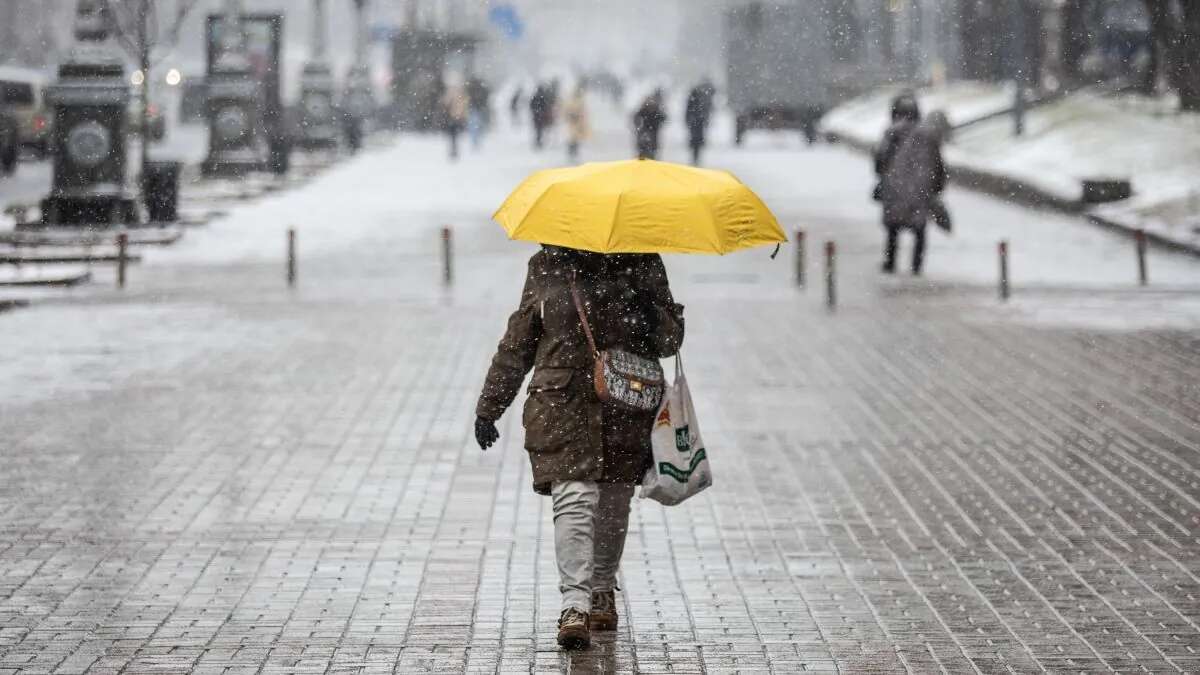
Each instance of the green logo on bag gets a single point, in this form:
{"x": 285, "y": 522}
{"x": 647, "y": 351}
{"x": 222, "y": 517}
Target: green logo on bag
{"x": 681, "y": 475}
{"x": 683, "y": 440}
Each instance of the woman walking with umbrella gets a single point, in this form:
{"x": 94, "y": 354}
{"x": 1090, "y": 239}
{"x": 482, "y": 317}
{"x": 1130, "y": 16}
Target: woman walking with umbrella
{"x": 598, "y": 286}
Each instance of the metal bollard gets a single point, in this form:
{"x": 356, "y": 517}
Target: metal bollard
{"x": 831, "y": 275}
{"x": 122, "y": 257}
{"x": 801, "y": 262}
{"x": 1143, "y": 272}
{"x": 291, "y": 257}
{"x": 1004, "y": 291}
{"x": 447, "y": 255}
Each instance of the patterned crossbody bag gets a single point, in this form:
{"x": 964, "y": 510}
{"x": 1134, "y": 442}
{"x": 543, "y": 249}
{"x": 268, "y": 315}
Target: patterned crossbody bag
{"x": 623, "y": 379}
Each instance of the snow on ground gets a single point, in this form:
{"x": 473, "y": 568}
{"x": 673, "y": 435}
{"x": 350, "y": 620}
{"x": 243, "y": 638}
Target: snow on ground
{"x": 864, "y": 119}
{"x": 394, "y": 188}
{"x": 402, "y": 194}
{"x": 377, "y": 217}
{"x": 1087, "y": 135}
{"x": 1084, "y": 135}
{"x": 826, "y": 190}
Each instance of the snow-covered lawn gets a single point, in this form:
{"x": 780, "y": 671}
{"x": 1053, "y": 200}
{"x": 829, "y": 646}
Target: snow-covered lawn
{"x": 1087, "y": 135}
{"x": 863, "y": 120}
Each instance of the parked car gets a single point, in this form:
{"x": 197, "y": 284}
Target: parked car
{"x": 778, "y": 60}
{"x": 157, "y": 122}
{"x": 22, "y": 93}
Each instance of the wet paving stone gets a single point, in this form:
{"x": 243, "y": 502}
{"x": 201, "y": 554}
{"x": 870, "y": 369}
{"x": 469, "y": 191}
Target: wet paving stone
{"x": 900, "y": 487}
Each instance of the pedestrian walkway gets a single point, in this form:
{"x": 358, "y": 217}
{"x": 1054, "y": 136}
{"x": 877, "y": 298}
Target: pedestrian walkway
{"x": 212, "y": 473}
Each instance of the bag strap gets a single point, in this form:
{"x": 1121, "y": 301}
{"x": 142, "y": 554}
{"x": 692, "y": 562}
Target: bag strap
{"x": 587, "y": 330}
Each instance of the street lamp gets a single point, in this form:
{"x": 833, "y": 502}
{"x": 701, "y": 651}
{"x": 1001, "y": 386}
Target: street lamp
{"x": 89, "y": 100}
{"x": 318, "y": 126}
{"x": 234, "y": 103}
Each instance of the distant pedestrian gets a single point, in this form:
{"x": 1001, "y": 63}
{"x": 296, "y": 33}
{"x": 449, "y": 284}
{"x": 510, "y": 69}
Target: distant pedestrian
{"x": 906, "y": 112}
{"x": 455, "y": 107}
{"x": 479, "y": 110}
{"x": 541, "y": 111}
{"x": 647, "y": 124}
{"x": 575, "y": 114}
{"x": 913, "y": 178}
{"x": 514, "y": 105}
{"x": 587, "y": 456}
{"x": 697, "y": 115}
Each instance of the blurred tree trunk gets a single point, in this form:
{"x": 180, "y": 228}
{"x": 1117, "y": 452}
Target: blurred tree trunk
{"x": 983, "y": 53}
{"x": 1164, "y": 46}
{"x": 1187, "y": 61}
{"x": 1075, "y": 39}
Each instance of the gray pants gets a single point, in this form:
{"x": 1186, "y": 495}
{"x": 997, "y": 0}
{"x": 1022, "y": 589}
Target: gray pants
{"x": 590, "y": 522}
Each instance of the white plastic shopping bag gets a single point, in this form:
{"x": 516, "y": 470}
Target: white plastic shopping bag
{"x": 681, "y": 467}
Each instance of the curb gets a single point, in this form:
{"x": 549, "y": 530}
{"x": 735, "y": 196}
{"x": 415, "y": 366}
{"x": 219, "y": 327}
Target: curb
{"x": 1152, "y": 237}
{"x": 1013, "y": 190}
{"x": 9, "y": 305}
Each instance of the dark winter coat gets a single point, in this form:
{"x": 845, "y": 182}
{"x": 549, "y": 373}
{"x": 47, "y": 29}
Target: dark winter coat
{"x": 913, "y": 174}
{"x": 569, "y": 433}
{"x": 698, "y": 112}
{"x": 647, "y": 122}
{"x": 886, "y": 150}
{"x": 541, "y": 107}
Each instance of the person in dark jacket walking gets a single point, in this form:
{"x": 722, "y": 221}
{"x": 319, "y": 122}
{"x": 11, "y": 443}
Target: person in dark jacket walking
{"x": 912, "y": 178}
{"x": 479, "y": 109}
{"x": 647, "y": 123}
{"x": 541, "y": 112}
{"x": 697, "y": 115}
{"x": 455, "y": 108}
{"x": 906, "y": 113}
{"x": 514, "y": 106}
{"x": 586, "y": 455}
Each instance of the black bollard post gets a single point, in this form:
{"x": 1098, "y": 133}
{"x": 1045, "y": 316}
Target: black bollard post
{"x": 447, "y": 255}
{"x": 801, "y": 262}
{"x": 831, "y": 275}
{"x": 291, "y": 257}
{"x": 1143, "y": 271}
{"x": 122, "y": 257}
{"x": 1004, "y": 291}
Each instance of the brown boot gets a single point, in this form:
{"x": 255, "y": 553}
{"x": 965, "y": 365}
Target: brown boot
{"x": 604, "y": 610}
{"x": 573, "y": 630}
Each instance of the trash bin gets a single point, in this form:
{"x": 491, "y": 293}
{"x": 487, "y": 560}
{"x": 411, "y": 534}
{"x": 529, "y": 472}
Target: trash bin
{"x": 160, "y": 187}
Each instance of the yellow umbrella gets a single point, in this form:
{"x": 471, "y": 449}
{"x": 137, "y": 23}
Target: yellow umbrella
{"x": 639, "y": 206}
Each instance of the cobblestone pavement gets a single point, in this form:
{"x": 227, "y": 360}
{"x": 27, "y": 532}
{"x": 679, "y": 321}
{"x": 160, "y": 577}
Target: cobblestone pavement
{"x": 210, "y": 473}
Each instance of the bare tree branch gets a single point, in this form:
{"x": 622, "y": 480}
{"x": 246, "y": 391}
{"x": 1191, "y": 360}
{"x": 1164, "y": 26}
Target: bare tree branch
{"x": 182, "y": 10}
{"x": 125, "y": 15}
{"x": 123, "y": 22}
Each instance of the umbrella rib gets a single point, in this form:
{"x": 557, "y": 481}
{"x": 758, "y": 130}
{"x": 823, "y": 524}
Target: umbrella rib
{"x": 612, "y": 228}
{"x": 534, "y": 205}
{"x": 681, "y": 211}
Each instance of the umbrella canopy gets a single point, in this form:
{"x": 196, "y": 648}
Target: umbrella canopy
{"x": 639, "y": 206}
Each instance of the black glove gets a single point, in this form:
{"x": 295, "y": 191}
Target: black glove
{"x": 485, "y": 433}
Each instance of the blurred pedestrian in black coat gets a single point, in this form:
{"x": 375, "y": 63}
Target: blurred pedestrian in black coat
{"x": 514, "y": 106}
{"x": 905, "y": 114}
{"x": 541, "y": 110}
{"x": 697, "y": 116}
{"x": 912, "y": 178}
{"x": 647, "y": 123}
